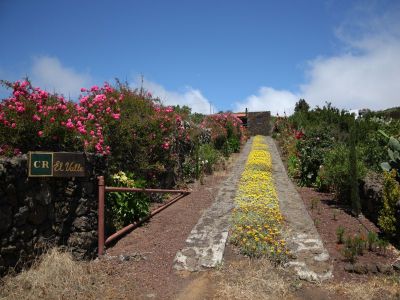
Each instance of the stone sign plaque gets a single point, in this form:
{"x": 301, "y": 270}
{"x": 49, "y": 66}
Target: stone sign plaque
{"x": 56, "y": 164}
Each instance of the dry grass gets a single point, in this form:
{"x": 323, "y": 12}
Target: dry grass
{"x": 259, "y": 279}
{"x": 251, "y": 279}
{"x": 55, "y": 276}
{"x": 381, "y": 287}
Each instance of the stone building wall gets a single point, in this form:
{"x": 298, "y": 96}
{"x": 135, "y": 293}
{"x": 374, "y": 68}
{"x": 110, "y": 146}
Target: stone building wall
{"x": 38, "y": 213}
{"x": 259, "y": 123}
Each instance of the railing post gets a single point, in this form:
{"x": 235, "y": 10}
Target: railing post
{"x": 100, "y": 214}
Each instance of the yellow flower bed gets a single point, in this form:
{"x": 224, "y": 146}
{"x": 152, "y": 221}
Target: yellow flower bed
{"x": 257, "y": 221}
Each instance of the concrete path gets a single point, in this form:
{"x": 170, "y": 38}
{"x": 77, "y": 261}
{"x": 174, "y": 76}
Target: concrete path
{"x": 312, "y": 261}
{"x": 206, "y": 242}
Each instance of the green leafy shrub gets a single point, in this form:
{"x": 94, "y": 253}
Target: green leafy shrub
{"x": 359, "y": 244}
{"x": 349, "y": 250}
{"x": 127, "y": 207}
{"x": 391, "y": 194}
{"x": 234, "y": 144}
{"x": 335, "y": 171}
{"x": 311, "y": 151}
{"x": 371, "y": 146}
{"x": 293, "y": 166}
{"x": 372, "y": 239}
{"x": 209, "y": 157}
{"x": 382, "y": 244}
{"x": 340, "y": 234}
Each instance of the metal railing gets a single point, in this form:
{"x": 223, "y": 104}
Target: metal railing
{"x": 102, "y": 242}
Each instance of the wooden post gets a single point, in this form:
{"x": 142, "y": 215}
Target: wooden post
{"x": 100, "y": 213}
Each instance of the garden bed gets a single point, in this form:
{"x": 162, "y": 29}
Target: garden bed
{"x": 328, "y": 215}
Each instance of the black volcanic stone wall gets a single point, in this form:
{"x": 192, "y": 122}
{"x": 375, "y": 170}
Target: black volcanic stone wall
{"x": 259, "y": 123}
{"x": 38, "y": 213}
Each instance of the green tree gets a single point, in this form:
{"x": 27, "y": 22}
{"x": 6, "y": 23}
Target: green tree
{"x": 301, "y": 106}
{"x": 353, "y": 172}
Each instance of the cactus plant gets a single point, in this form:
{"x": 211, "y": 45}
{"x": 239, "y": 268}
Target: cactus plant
{"x": 393, "y": 152}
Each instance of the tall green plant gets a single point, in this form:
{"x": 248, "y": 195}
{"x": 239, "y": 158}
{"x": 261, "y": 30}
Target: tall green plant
{"x": 354, "y": 192}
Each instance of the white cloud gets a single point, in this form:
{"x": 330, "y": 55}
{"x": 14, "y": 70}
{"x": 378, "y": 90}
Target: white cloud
{"x": 365, "y": 75}
{"x": 190, "y": 97}
{"x": 269, "y": 99}
{"x": 365, "y": 80}
{"x": 50, "y": 74}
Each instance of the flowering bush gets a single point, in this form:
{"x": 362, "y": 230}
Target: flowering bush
{"x": 152, "y": 140}
{"x": 257, "y": 221}
{"x": 227, "y": 131}
{"x": 32, "y": 119}
{"x": 130, "y": 127}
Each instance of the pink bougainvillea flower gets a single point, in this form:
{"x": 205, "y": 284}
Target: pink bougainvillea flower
{"x": 24, "y": 84}
{"x": 99, "y": 147}
{"x": 84, "y": 99}
{"x": 165, "y": 145}
{"x": 69, "y": 124}
{"x": 94, "y": 88}
{"x": 40, "y": 133}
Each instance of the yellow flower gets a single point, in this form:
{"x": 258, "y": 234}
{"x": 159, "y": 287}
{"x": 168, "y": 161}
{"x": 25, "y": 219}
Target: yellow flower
{"x": 257, "y": 205}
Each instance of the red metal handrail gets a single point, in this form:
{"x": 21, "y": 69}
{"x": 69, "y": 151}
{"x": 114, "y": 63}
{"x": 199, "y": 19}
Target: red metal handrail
{"x": 103, "y": 189}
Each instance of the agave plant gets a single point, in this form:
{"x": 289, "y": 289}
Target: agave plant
{"x": 393, "y": 152}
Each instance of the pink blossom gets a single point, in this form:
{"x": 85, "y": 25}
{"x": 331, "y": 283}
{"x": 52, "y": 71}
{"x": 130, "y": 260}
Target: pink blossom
{"x": 165, "y": 145}
{"x": 13, "y": 125}
{"x": 20, "y": 109}
{"x": 84, "y": 99}
{"x": 99, "y": 98}
{"x": 24, "y": 84}
{"x": 69, "y": 124}
{"x": 40, "y": 133}
{"x": 94, "y": 88}
{"x": 83, "y": 90}
{"x": 82, "y": 129}
{"x": 36, "y": 117}
{"x": 116, "y": 116}
{"x": 99, "y": 147}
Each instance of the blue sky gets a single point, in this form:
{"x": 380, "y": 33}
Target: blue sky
{"x": 263, "y": 55}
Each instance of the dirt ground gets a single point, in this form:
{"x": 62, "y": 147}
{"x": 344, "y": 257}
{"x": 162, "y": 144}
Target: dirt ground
{"x": 149, "y": 252}
{"x": 328, "y": 215}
